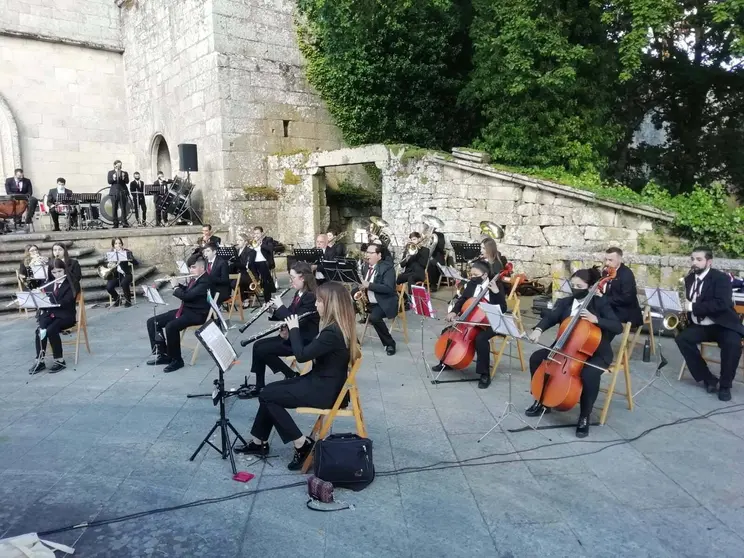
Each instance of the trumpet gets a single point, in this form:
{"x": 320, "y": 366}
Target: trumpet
{"x": 255, "y": 243}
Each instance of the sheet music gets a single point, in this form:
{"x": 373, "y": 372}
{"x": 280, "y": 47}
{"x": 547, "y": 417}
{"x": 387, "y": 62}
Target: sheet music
{"x": 116, "y": 256}
{"x": 152, "y": 295}
{"x": 422, "y": 302}
{"x": 665, "y": 299}
{"x": 33, "y": 300}
{"x": 565, "y": 286}
{"x": 217, "y": 345}
{"x": 182, "y": 267}
{"x": 501, "y": 323}
{"x": 450, "y": 272}
{"x": 216, "y": 308}
{"x": 39, "y": 271}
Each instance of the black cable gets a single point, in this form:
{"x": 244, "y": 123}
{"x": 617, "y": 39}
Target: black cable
{"x": 438, "y": 466}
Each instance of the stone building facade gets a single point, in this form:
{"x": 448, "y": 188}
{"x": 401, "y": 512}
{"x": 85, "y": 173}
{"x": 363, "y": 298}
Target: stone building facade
{"x": 89, "y": 81}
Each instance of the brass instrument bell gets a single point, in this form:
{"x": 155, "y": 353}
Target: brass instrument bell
{"x": 492, "y": 230}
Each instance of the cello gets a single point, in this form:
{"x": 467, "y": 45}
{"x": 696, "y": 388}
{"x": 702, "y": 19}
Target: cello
{"x": 557, "y": 381}
{"x": 456, "y": 345}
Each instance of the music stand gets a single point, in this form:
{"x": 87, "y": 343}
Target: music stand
{"x": 39, "y": 272}
{"x": 342, "y": 271}
{"x": 422, "y": 307}
{"x": 216, "y": 308}
{"x": 228, "y": 253}
{"x": 309, "y": 255}
{"x": 662, "y": 300}
{"x": 182, "y": 267}
{"x": 504, "y": 325}
{"x": 465, "y": 251}
{"x": 224, "y": 356}
{"x": 88, "y": 199}
{"x": 31, "y": 300}
{"x": 184, "y": 243}
{"x": 452, "y": 276}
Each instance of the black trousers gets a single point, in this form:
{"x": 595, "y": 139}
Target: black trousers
{"x": 263, "y": 274}
{"x": 729, "y": 342}
{"x": 591, "y": 378}
{"x": 123, "y": 281}
{"x": 55, "y": 217}
{"x": 434, "y": 273}
{"x": 53, "y": 328}
{"x": 483, "y": 351}
{"x": 161, "y": 215}
{"x": 139, "y": 204}
{"x": 411, "y": 278}
{"x": 266, "y": 352}
{"x": 33, "y": 203}
{"x": 119, "y": 200}
{"x": 377, "y": 320}
{"x": 173, "y": 327}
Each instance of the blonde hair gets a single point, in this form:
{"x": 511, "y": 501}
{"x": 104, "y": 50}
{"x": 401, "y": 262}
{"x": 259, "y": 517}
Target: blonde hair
{"x": 27, "y": 253}
{"x": 491, "y": 250}
{"x": 339, "y": 310}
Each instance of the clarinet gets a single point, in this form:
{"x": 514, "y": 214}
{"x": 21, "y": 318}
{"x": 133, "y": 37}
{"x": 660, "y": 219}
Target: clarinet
{"x": 250, "y": 322}
{"x": 271, "y": 330}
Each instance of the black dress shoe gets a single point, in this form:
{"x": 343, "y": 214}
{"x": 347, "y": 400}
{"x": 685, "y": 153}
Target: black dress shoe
{"x": 438, "y": 367}
{"x": 37, "y": 367}
{"x": 300, "y": 455}
{"x": 173, "y": 366}
{"x": 535, "y": 410}
{"x": 582, "y": 428}
{"x": 57, "y": 366}
{"x": 115, "y": 303}
{"x": 390, "y": 350}
{"x": 127, "y": 304}
{"x": 251, "y": 448}
{"x": 485, "y": 381}
{"x": 711, "y": 386}
{"x": 160, "y": 359}
{"x": 724, "y": 394}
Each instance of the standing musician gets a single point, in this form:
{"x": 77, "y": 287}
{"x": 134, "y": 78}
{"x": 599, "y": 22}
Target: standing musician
{"x": 600, "y": 313}
{"x": 208, "y": 237}
{"x": 414, "y": 262}
{"x": 193, "y": 311}
{"x": 137, "y": 189}
{"x": 74, "y": 273}
{"x": 31, "y": 259}
{"x": 334, "y": 249}
{"x": 54, "y": 193}
{"x": 218, "y": 271}
{"x": 161, "y": 213}
{"x": 621, "y": 291}
{"x": 54, "y": 320}
{"x": 267, "y": 351}
{"x": 261, "y": 261}
{"x": 118, "y": 179}
{"x": 18, "y": 185}
{"x": 378, "y": 280}
{"x": 331, "y": 352}
{"x": 123, "y": 273}
{"x": 438, "y": 256}
{"x": 712, "y": 318}
{"x": 240, "y": 265}
{"x": 480, "y": 278}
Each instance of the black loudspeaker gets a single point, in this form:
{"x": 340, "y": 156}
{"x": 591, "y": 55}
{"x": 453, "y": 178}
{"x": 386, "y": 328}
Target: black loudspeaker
{"x": 188, "y": 157}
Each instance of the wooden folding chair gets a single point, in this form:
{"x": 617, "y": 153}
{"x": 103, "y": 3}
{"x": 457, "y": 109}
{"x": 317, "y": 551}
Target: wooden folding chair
{"x": 326, "y": 416}
{"x": 401, "y": 289}
{"x": 236, "y": 298}
{"x": 20, "y": 288}
{"x": 294, "y": 365}
{"x": 196, "y": 345}
{"x": 513, "y": 301}
{"x": 80, "y": 327}
{"x": 619, "y": 364}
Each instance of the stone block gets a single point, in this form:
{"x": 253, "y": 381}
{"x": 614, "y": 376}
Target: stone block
{"x": 593, "y": 216}
{"x": 527, "y": 209}
{"x": 503, "y": 193}
{"x": 525, "y": 235}
{"x": 516, "y": 252}
{"x": 501, "y": 206}
{"x": 569, "y": 235}
{"x": 609, "y": 233}
{"x": 533, "y": 195}
{"x": 550, "y": 254}
{"x": 559, "y": 210}
{"x": 543, "y": 220}
{"x": 628, "y": 221}
{"x": 533, "y": 270}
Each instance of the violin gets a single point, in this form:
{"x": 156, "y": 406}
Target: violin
{"x": 456, "y": 345}
{"x": 557, "y": 381}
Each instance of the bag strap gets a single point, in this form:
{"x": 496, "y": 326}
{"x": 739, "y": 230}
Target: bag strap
{"x": 317, "y": 505}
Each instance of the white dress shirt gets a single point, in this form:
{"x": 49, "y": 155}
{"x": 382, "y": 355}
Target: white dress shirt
{"x": 575, "y": 306}
{"x": 259, "y": 255}
{"x": 371, "y": 277}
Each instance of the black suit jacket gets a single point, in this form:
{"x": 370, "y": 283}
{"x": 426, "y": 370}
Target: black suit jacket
{"x": 267, "y": 249}
{"x": 120, "y": 184}
{"x": 73, "y": 271}
{"x": 383, "y": 285}
{"x": 195, "y": 303}
{"x": 137, "y": 186}
{"x": 65, "y": 297}
{"x": 439, "y": 249}
{"x": 241, "y": 262}
{"x": 219, "y": 278}
{"x": 715, "y": 300}
{"x": 606, "y": 320}
{"x": 27, "y": 188}
{"x": 622, "y": 295}
{"x": 330, "y": 355}
{"x": 52, "y": 195}
{"x": 417, "y": 263}
{"x": 469, "y": 292}
{"x": 213, "y": 239}
{"x": 309, "y": 325}
{"x": 334, "y": 252}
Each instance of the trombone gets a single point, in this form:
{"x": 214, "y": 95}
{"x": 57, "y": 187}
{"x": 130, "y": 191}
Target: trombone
{"x": 173, "y": 278}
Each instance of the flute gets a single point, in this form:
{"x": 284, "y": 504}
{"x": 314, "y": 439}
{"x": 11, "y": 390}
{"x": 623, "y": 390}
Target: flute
{"x": 271, "y": 330}
{"x": 57, "y": 280}
{"x": 250, "y": 322}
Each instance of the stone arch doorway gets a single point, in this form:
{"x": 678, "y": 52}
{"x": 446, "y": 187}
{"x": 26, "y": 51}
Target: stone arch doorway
{"x": 10, "y": 145}
{"x": 160, "y": 157}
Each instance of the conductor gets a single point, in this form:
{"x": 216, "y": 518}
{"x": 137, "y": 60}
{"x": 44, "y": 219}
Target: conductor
{"x": 118, "y": 179}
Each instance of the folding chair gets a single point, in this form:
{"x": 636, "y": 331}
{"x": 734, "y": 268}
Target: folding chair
{"x": 196, "y": 345}
{"x": 20, "y": 288}
{"x": 401, "y": 289}
{"x": 708, "y": 358}
{"x": 323, "y": 425}
{"x": 294, "y": 365}
{"x": 620, "y": 363}
{"x": 236, "y": 298}
{"x": 80, "y": 327}
{"x": 515, "y": 301}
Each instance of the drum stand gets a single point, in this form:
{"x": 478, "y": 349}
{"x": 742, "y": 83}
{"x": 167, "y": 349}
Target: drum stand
{"x": 187, "y": 207}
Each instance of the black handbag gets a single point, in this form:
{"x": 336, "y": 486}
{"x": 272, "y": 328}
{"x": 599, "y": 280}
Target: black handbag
{"x": 344, "y": 460}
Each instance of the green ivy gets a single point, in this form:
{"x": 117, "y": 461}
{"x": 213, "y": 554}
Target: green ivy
{"x": 351, "y": 195}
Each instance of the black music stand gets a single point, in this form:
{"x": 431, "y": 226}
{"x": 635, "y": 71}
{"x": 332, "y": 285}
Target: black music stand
{"x": 157, "y": 190}
{"x": 92, "y": 221}
{"x": 342, "y": 271}
{"x": 465, "y": 252}
{"x": 228, "y": 253}
{"x": 309, "y": 255}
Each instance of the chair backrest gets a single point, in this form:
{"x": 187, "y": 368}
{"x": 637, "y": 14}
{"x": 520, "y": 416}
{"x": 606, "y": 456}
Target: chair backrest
{"x": 353, "y": 369}
{"x": 80, "y": 301}
{"x": 618, "y": 362}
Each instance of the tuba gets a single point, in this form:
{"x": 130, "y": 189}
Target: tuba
{"x": 491, "y": 229}
{"x": 376, "y": 227}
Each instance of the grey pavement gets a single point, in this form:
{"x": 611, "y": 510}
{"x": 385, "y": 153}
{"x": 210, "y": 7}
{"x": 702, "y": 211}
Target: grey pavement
{"x": 111, "y": 437}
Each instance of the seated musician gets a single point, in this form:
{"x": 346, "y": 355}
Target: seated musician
{"x": 52, "y": 321}
{"x": 31, "y": 259}
{"x": 334, "y": 250}
{"x": 20, "y": 186}
{"x": 261, "y": 261}
{"x": 437, "y": 256}
{"x": 54, "y": 206}
{"x": 331, "y": 352}
{"x": 414, "y": 262}
{"x": 712, "y": 318}
{"x": 491, "y": 255}
{"x": 321, "y": 243}
{"x": 193, "y": 311}
{"x": 267, "y": 351}
{"x": 75, "y": 274}
{"x": 600, "y": 313}
{"x": 218, "y": 271}
{"x": 621, "y": 291}
{"x": 480, "y": 276}
{"x": 378, "y": 280}
{"x": 122, "y": 275}
{"x": 208, "y": 237}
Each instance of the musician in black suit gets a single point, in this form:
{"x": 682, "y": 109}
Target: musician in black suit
{"x": 240, "y": 265}
{"x": 321, "y": 243}
{"x": 137, "y": 189}
{"x": 118, "y": 179}
{"x": 480, "y": 278}
{"x": 378, "y": 279}
{"x": 74, "y": 273}
{"x": 52, "y": 198}
{"x": 158, "y": 200}
{"x": 261, "y": 261}
{"x": 18, "y": 185}
{"x": 219, "y": 273}
{"x": 54, "y": 320}
{"x": 621, "y": 292}
{"x": 599, "y": 312}
{"x": 712, "y": 318}
{"x": 334, "y": 250}
{"x": 438, "y": 254}
{"x": 267, "y": 351}
{"x": 331, "y": 353}
{"x": 208, "y": 237}
{"x": 193, "y": 311}
{"x": 414, "y": 262}
{"x": 123, "y": 274}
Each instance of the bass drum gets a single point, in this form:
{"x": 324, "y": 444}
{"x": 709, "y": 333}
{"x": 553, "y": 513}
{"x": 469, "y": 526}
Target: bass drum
{"x": 106, "y": 208}
{"x": 177, "y": 199}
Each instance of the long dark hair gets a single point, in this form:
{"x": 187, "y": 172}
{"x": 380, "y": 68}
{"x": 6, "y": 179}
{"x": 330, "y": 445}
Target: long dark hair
{"x": 303, "y": 269}
{"x": 338, "y": 309}
{"x": 590, "y": 275}
{"x": 65, "y": 254}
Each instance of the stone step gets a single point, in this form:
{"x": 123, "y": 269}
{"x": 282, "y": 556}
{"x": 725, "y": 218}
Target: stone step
{"x": 23, "y": 238}
{"x": 15, "y": 257}
{"x": 10, "y": 268}
{"x": 7, "y": 279}
{"x": 18, "y": 247}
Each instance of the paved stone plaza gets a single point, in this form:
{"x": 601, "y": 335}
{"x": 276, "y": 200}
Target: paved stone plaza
{"x": 112, "y": 436}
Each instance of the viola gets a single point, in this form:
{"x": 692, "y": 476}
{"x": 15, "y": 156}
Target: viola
{"x": 456, "y": 345}
{"x": 557, "y": 381}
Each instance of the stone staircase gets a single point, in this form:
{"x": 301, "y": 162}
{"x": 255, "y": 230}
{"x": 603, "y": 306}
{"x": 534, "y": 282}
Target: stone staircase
{"x": 12, "y": 247}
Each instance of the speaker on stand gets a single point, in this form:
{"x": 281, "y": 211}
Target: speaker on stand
{"x": 188, "y": 161}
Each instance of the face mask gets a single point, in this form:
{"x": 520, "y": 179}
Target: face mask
{"x": 579, "y": 293}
